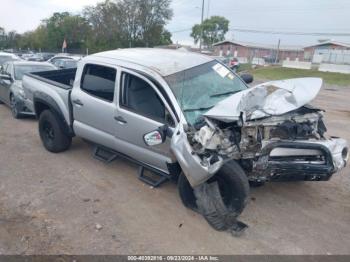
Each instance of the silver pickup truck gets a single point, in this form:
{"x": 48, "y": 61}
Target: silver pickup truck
{"x": 187, "y": 116}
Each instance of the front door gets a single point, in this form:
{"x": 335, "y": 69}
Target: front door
{"x": 141, "y": 110}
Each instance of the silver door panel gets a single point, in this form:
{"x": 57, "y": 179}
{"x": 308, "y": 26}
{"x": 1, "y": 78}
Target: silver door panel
{"x": 94, "y": 135}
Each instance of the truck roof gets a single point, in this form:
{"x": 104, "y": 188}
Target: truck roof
{"x": 164, "y": 61}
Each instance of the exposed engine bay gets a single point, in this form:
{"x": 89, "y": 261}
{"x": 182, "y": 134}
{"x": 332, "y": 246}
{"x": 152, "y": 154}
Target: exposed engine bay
{"x": 270, "y": 129}
{"x": 213, "y": 140}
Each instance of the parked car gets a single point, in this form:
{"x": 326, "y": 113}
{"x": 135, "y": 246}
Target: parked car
{"x": 65, "y": 63}
{"x": 28, "y": 55}
{"x": 188, "y": 116}
{"x": 64, "y": 56}
{"x": 11, "y": 90}
{"x": 4, "y": 57}
{"x": 47, "y": 56}
{"x": 271, "y": 59}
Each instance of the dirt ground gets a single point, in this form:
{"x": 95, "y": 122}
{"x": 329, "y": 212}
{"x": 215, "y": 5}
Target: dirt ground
{"x": 53, "y": 204}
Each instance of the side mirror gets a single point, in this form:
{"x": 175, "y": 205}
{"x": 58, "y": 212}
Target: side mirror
{"x": 247, "y": 78}
{"x": 158, "y": 136}
{"x": 154, "y": 138}
{"x": 5, "y": 77}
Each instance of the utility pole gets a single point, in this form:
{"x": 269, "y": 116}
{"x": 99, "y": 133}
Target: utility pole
{"x": 208, "y": 9}
{"x": 278, "y": 50}
{"x": 200, "y": 41}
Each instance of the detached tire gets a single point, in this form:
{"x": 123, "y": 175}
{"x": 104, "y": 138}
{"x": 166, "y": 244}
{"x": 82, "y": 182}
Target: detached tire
{"x": 52, "y": 133}
{"x": 221, "y": 209}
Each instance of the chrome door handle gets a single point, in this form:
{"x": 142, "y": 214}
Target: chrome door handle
{"x": 120, "y": 120}
{"x": 78, "y": 102}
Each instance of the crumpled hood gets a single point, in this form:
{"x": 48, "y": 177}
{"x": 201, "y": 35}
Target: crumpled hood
{"x": 267, "y": 99}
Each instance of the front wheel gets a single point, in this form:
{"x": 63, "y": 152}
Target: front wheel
{"x": 51, "y": 132}
{"x": 221, "y": 199}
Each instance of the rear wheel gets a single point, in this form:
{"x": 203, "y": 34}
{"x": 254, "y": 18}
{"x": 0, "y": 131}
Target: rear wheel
{"x": 14, "y": 108}
{"x": 52, "y": 133}
{"x": 221, "y": 199}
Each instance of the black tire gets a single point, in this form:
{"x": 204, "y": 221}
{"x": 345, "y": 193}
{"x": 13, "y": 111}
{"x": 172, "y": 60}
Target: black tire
{"x": 14, "y": 109}
{"x": 52, "y": 133}
{"x": 234, "y": 192}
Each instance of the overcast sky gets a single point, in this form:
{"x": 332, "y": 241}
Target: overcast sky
{"x": 328, "y": 16}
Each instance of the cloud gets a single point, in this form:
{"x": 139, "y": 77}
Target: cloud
{"x": 296, "y": 15}
{"x": 24, "y": 15}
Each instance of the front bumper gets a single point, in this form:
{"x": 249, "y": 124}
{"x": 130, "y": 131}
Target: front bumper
{"x": 302, "y": 160}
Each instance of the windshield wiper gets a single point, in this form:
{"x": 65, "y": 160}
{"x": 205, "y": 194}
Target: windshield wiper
{"x": 198, "y": 109}
{"x": 222, "y": 94}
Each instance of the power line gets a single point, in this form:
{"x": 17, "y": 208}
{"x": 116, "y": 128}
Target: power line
{"x": 288, "y": 32}
{"x": 274, "y": 32}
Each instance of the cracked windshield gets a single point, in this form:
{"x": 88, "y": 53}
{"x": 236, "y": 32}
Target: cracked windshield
{"x": 200, "y": 88}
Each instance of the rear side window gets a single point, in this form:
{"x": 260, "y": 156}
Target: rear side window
{"x": 99, "y": 81}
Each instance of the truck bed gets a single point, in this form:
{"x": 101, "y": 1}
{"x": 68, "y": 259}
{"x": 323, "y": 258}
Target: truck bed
{"x": 62, "y": 78}
{"x": 50, "y": 86}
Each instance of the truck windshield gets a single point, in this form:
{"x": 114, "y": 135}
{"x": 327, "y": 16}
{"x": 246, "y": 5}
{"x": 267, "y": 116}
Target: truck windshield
{"x": 200, "y": 88}
{"x": 21, "y": 70}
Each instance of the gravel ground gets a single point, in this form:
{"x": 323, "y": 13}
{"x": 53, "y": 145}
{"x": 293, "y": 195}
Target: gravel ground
{"x": 73, "y": 204}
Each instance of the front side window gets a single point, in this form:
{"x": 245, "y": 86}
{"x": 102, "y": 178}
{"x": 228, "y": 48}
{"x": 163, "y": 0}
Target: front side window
{"x": 141, "y": 98}
{"x": 200, "y": 88}
{"x": 99, "y": 81}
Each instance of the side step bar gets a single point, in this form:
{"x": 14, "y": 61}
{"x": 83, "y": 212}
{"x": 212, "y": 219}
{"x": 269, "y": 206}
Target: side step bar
{"x": 156, "y": 177}
{"x": 104, "y": 155}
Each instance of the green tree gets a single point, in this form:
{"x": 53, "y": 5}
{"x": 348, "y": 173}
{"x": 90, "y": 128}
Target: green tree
{"x": 213, "y": 28}
{"x": 104, "y": 20}
{"x": 129, "y": 23}
{"x": 108, "y": 25}
{"x": 74, "y": 28}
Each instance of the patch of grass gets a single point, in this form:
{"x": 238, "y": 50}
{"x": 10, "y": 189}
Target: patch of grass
{"x": 244, "y": 68}
{"x": 278, "y": 73}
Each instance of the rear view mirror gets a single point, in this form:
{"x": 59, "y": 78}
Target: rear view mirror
{"x": 247, "y": 78}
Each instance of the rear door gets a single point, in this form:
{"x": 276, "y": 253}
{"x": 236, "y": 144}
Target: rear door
{"x": 94, "y": 104}
{"x": 141, "y": 110}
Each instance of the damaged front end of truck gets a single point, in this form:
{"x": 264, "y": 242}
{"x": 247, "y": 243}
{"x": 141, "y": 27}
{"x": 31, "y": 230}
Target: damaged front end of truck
{"x": 270, "y": 130}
